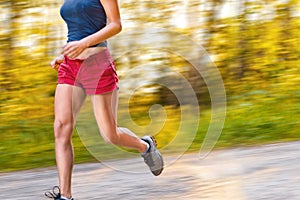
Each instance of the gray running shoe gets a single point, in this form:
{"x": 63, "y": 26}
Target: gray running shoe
{"x": 55, "y": 194}
{"x": 153, "y": 157}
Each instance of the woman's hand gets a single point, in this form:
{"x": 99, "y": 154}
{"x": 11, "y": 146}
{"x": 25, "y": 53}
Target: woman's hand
{"x": 74, "y": 49}
{"x": 55, "y": 63}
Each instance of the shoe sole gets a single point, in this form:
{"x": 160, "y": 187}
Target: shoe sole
{"x": 156, "y": 172}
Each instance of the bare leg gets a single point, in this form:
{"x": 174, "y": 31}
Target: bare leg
{"x": 114, "y": 101}
{"x": 105, "y": 110}
{"x": 68, "y": 101}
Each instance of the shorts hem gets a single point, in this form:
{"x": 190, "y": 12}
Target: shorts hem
{"x": 101, "y": 90}
{"x": 66, "y": 82}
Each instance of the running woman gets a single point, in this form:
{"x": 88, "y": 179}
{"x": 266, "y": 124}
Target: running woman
{"x": 86, "y": 68}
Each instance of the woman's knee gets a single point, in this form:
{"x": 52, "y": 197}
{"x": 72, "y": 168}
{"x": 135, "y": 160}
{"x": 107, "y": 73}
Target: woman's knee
{"x": 63, "y": 129}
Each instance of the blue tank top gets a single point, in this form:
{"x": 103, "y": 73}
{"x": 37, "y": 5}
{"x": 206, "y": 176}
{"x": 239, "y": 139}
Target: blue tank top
{"x": 83, "y": 18}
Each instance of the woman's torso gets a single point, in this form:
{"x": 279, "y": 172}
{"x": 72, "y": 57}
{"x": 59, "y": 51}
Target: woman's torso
{"x": 84, "y": 18}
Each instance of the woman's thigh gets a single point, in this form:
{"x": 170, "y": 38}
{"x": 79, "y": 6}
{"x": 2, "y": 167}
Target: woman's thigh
{"x": 68, "y": 101}
{"x": 105, "y": 111}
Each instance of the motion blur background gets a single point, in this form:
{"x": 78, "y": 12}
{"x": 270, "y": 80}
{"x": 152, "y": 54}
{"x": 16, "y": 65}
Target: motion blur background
{"x": 254, "y": 44}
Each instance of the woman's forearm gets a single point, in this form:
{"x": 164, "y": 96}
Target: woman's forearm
{"x": 108, "y": 31}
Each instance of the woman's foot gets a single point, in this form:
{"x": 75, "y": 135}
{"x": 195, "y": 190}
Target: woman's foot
{"x": 56, "y": 195}
{"x": 152, "y": 156}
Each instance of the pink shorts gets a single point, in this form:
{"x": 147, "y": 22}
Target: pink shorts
{"x": 96, "y": 74}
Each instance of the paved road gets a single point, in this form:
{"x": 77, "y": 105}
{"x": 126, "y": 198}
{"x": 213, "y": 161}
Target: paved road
{"x": 270, "y": 172}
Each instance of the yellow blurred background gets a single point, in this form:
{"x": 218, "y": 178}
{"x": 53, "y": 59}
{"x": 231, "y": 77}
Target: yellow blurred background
{"x": 254, "y": 44}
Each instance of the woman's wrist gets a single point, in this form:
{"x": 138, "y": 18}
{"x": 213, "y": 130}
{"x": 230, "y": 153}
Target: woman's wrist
{"x": 84, "y": 42}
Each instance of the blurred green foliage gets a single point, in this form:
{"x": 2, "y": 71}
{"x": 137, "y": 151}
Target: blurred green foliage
{"x": 256, "y": 49}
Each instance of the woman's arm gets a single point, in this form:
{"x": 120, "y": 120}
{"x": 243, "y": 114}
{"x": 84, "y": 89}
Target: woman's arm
{"x": 114, "y": 26}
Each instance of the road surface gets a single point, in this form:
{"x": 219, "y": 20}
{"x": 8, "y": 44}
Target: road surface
{"x": 270, "y": 172}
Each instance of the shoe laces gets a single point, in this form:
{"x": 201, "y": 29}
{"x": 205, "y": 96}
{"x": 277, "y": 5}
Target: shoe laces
{"x": 55, "y": 194}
